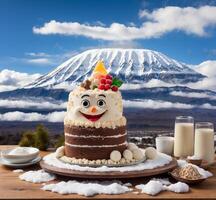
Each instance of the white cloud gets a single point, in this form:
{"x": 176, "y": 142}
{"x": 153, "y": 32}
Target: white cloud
{"x": 37, "y": 54}
{"x": 207, "y": 68}
{"x": 10, "y": 79}
{"x": 21, "y": 116}
{"x": 26, "y": 103}
{"x": 44, "y": 59}
{"x": 149, "y": 84}
{"x": 59, "y": 116}
{"x": 190, "y": 20}
{"x": 39, "y": 61}
{"x": 152, "y": 104}
{"x": 56, "y": 116}
{"x": 192, "y": 95}
{"x": 157, "y": 104}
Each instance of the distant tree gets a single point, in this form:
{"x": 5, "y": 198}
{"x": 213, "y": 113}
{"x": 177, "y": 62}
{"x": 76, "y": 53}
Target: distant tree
{"x": 28, "y": 139}
{"x": 42, "y": 137}
{"x": 60, "y": 141}
{"x": 38, "y": 139}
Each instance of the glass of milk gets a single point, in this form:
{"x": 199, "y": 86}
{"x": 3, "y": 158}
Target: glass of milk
{"x": 164, "y": 144}
{"x": 184, "y": 136}
{"x": 204, "y": 141}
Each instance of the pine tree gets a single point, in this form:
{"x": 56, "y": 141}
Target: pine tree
{"x": 42, "y": 138}
{"x": 27, "y": 140}
{"x": 60, "y": 141}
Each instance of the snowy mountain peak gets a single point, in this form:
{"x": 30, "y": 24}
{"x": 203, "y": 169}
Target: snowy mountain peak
{"x": 131, "y": 65}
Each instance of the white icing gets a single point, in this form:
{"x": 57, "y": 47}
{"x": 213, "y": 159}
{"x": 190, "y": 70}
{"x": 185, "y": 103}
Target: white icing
{"x": 108, "y": 124}
{"x": 155, "y": 186}
{"x": 131, "y": 146}
{"x": 151, "y": 153}
{"x": 113, "y": 108}
{"x": 99, "y": 146}
{"x": 21, "y": 151}
{"x": 137, "y": 154}
{"x": 95, "y": 136}
{"x": 161, "y": 160}
{"x": 194, "y": 157}
{"x": 37, "y": 176}
{"x": 177, "y": 187}
{"x": 128, "y": 184}
{"x": 151, "y": 188}
{"x": 127, "y": 154}
{"x": 18, "y": 171}
{"x": 60, "y": 152}
{"x": 86, "y": 188}
{"x": 115, "y": 156}
{"x": 164, "y": 181}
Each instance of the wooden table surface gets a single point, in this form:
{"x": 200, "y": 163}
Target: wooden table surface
{"x": 11, "y": 187}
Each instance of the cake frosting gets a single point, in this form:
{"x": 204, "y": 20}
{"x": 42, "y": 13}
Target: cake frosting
{"x": 94, "y": 124}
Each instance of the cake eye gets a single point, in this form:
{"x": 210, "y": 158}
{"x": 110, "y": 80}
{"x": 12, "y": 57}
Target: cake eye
{"x": 85, "y": 103}
{"x": 101, "y": 103}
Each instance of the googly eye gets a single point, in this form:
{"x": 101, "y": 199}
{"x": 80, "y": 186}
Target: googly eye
{"x": 101, "y": 103}
{"x": 85, "y": 103}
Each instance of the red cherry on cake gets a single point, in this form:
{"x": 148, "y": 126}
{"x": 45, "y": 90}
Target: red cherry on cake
{"x": 101, "y": 87}
{"x": 108, "y": 81}
{"x": 108, "y": 76}
{"x": 114, "y": 88}
{"x": 103, "y": 81}
{"x": 107, "y": 87}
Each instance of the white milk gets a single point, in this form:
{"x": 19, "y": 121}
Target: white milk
{"x": 204, "y": 144}
{"x": 184, "y": 139}
{"x": 165, "y": 144}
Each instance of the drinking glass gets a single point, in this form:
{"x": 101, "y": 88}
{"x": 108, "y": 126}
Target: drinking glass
{"x": 184, "y": 136}
{"x": 204, "y": 141}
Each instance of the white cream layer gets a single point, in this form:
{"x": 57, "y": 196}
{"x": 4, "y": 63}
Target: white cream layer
{"x": 94, "y": 136}
{"x": 107, "y": 124}
{"x": 98, "y": 146}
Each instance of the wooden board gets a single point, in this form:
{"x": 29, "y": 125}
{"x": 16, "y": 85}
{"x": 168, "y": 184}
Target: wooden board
{"x": 108, "y": 175}
{"x": 11, "y": 187}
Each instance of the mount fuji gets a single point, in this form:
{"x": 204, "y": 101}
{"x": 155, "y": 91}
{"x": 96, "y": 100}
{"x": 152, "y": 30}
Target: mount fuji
{"x": 134, "y": 66}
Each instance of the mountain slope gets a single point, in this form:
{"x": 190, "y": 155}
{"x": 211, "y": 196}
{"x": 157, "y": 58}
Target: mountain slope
{"x": 131, "y": 65}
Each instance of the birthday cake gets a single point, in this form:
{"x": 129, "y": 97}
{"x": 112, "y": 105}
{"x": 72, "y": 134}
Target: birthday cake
{"x": 94, "y": 125}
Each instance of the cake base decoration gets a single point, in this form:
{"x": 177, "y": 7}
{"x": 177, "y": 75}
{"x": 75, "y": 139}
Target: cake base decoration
{"x": 116, "y": 158}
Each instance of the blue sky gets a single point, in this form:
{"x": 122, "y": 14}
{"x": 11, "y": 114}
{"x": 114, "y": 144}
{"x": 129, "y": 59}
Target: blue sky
{"x": 41, "y": 50}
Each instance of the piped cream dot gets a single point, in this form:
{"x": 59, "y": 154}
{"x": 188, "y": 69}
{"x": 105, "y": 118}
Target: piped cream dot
{"x": 115, "y": 156}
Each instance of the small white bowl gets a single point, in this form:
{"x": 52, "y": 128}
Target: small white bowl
{"x": 21, "y": 158}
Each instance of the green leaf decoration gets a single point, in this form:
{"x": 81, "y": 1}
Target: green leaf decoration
{"x": 117, "y": 82}
{"x": 94, "y": 87}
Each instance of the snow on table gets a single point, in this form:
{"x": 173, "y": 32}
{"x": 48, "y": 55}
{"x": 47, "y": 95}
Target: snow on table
{"x": 86, "y": 188}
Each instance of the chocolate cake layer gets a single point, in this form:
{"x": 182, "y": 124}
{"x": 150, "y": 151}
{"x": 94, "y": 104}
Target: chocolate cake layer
{"x": 94, "y": 143}
{"x": 100, "y": 140}
{"x": 92, "y": 153}
{"x": 78, "y": 130}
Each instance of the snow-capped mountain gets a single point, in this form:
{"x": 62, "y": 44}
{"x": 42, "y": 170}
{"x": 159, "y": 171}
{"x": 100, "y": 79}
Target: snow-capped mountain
{"x": 131, "y": 65}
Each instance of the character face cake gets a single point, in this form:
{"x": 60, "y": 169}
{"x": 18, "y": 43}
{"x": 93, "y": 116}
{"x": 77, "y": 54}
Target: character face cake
{"x": 98, "y": 106}
{"x": 94, "y": 121}
{"x": 93, "y": 107}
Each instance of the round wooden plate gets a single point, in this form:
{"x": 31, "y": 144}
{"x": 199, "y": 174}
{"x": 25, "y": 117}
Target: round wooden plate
{"x": 109, "y": 175}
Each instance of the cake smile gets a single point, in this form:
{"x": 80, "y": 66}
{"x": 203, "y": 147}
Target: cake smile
{"x": 93, "y": 118}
